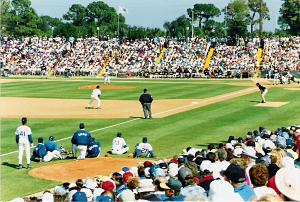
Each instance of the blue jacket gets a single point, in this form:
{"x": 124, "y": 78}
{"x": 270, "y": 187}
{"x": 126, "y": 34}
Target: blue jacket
{"x": 40, "y": 151}
{"x": 51, "y": 146}
{"x": 245, "y": 192}
{"x": 94, "y": 149}
{"x": 81, "y": 137}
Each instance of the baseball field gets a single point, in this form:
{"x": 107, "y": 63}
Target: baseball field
{"x": 186, "y": 113}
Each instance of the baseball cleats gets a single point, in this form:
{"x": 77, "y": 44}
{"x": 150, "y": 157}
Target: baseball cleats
{"x": 20, "y": 167}
{"x": 28, "y": 166}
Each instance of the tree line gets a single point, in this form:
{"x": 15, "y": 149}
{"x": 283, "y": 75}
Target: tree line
{"x": 18, "y": 18}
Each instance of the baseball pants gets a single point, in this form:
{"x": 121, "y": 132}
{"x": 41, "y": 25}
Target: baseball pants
{"x": 120, "y": 151}
{"x": 82, "y": 149}
{"x": 91, "y": 101}
{"x": 147, "y": 110}
{"x": 263, "y": 95}
{"x": 49, "y": 156}
{"x": 24, "y": 146}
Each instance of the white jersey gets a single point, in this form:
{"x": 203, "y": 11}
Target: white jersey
{"x": 23, "y": 132}
{"x": 118, "y": 143}
{"x": 144, "y": 147}
{"x": 96, "y": 92}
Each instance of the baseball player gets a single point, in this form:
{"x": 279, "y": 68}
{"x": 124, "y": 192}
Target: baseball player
{"x": 146, "y": 100}
{"x": 95, "y": 96}
{"x": 144, "y": 149}
{"x": 119, "y": 145}
{"x": 80, "y": 140}
{"x": 263, "y": 92}
{"x": 106, "y": 77}
{"x": 94, "y": 149}
{"x": 276, "y": 79}
{"x": 52, "y": 146}
{"x": 40, "y": 152}
{"x": 24, "y": 139}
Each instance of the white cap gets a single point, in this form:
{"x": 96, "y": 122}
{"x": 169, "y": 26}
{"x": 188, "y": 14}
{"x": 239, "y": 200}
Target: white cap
{"x": 237, "y": 152}
{"x": 206, "y": 165}
{"x": 249, "y": 151}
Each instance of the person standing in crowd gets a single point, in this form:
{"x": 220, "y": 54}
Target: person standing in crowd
{"x": 119, "y": 145}
{"x": 95, "y": 96}
{"x": 263, "y": 92}
{"x": 146, "y": 101}
{"x": 24, "y": 139}
{"x": 80, "y": 140}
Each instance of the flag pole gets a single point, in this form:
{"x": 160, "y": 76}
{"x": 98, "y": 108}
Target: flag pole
{"x": 118, "y": 25}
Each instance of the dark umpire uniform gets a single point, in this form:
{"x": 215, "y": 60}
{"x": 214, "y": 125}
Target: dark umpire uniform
{"x": 146, "y": 100}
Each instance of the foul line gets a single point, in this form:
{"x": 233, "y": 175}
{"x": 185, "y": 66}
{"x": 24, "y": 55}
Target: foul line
{"x": 170, "y": 110}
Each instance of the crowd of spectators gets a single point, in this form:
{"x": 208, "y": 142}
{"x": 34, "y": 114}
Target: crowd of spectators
{"x": 262, "y": 165}
{"x": 142, "y": 57}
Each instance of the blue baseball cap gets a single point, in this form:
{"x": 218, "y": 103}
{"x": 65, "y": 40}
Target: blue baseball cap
{"x": 24, "y": 120}
{"x": 51, "y": 138}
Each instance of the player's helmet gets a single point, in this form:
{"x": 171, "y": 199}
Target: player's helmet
{"x": 24, "y": 120}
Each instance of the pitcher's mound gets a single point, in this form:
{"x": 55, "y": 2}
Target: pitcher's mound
{"x": 71, "y": 171}
{"x": 271, "y": 104}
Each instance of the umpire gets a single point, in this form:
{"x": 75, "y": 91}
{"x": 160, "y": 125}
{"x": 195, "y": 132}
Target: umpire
{"x": 146, "y": 100}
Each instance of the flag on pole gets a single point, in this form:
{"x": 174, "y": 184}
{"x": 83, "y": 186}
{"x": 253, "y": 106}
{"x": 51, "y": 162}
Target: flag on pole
{"x": 122, "y": 10}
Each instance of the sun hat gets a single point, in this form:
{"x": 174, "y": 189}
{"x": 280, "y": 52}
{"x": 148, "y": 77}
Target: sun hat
{"x": 287, "y": 162}
{"x": 90, "y": 184}
{"x": 288, "y": 183}
{"x": 146, "y": 185}
{"x": 221, "y": 190}
{"x": 173, "y": 169}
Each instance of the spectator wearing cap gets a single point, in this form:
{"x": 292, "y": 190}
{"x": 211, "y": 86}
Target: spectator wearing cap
{"x": 144, "y": 149}
{"x": 51, "y": 146}
{"x": 40, "y": 152}
{"x": 259, "y": 176}
{"x": 235, "y": 175}
{"x": 120, "y": 185}
{"x": 106, "y": 196}
{"x": 221, "y": 190}
{"x": 172, "y": 190}
{"x": 206, "y": 169}
{"x": 94, "y": 149}
{"x": 77, "y": 194}
{"x": 80, "y": 140}
{"x": 119, "y": 145}
{"x": 190, "y": 188}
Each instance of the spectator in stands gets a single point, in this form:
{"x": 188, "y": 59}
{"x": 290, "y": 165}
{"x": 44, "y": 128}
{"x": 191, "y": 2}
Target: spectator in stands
{"x": 172, "y": 190}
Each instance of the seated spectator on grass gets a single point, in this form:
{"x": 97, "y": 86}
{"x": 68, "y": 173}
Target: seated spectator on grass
{"x": 40, "y": 152}
{"x": 80, "y": 140}
{"x": 144, "y": 149}
{"x": 119, "y": 145}
{"x": 94, "y": 149}
{"x": 52, "y": 146}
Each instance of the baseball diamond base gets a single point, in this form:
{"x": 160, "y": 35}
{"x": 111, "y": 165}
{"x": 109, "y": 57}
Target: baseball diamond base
{"x": 271, "y": 104}
{"x": 81, "y": 169}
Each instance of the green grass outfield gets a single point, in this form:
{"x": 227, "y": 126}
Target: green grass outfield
{"x": 169, "y": 135}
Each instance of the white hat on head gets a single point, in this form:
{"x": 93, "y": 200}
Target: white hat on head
{"x": 237, "y": 152}
{"x": 269, "y": 144}
{"x": 221, "y": 190}
{"x": 229, "y": 146}
{"x": 206, "y": 165}
{"x": 249, "y": 151}
{"x": 288, "y": 183}
{"x": 47, "y": 197}
{"x": 287, "y": 162}
{"x": 173, "y": 169}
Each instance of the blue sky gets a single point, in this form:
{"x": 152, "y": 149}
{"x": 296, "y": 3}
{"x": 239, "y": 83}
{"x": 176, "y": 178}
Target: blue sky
{"x": 148, "y": 13}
